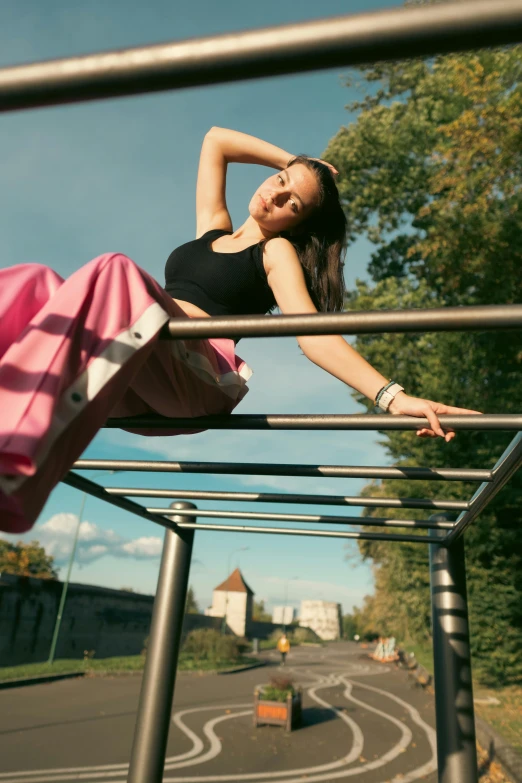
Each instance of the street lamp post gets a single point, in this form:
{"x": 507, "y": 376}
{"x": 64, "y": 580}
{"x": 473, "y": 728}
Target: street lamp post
{"x": 241, "y": 549}
{"x": 286, "y": 599}
{"x": 65, "y": 586}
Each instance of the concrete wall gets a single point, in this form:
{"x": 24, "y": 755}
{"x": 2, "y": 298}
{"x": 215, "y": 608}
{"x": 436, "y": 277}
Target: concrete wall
{"x": 111, "y": 622}
{"x": 323, "y": 617}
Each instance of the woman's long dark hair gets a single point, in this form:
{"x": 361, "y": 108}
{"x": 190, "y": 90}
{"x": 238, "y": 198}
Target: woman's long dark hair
{"x": 320, "y": 241}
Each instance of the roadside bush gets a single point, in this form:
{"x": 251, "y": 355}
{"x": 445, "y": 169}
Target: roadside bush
{"x": 278, "y": 689}
{"x": 211, "y": 645}
{"x": 301, "y": 635}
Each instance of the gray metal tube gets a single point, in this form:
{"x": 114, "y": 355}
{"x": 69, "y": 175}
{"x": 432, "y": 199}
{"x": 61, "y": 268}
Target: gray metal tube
{"x": 436, "y": 319}
{"x": 274, "y": 469}
{"x": 288, "y": 498}
{"x": 292, "y": 531}
{"x": 507, "y": 466}
{"x": 323, "y": 43}
{"x": 319, "y": 421}
{"x": 97, "y": 491}
{"x": 268, "y": 516}
{"x": 456, "y": 742}
{"x": 159, "y": 678}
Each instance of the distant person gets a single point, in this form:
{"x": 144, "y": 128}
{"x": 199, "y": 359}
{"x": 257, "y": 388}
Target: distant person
{"x": 283, "y": 645}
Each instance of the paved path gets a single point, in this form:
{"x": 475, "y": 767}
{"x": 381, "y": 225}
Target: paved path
{"x": 362, "y": 721}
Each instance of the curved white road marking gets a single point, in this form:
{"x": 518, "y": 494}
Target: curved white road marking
{"x": 195, "y": 755}
{"x": 109, "y": 770}
{"x": 354, "y": 753}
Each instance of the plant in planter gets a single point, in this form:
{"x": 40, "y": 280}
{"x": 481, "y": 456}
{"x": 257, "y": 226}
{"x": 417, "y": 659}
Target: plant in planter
{"x": 278, "y": 703}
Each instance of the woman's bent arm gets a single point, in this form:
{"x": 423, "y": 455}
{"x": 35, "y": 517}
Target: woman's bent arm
{"x": 221, "y": 147}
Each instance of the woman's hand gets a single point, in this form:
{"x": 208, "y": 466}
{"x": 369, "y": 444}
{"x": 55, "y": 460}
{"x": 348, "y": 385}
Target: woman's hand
{"x": 332, "y": 168}
{"x": 404, "y": 405}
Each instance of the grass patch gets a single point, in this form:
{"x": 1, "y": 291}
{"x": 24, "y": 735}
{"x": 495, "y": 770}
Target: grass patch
{"x": 123, "y": 664}
{"x": 506, "y": 717}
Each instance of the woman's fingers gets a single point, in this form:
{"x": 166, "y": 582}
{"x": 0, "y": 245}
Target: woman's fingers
{"x": 433, "y": 420}
{"x": 452, "y": 411}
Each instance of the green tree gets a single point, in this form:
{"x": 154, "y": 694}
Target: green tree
{"x": 26, "y": 560}
{"x": 259, "y": 613}
{"x": 431, "y": 171}
{"x": 191, "y": 605}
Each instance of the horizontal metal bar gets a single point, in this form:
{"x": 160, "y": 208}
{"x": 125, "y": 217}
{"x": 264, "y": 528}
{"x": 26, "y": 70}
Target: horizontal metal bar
{"x": 289, "y": 531}
{"x": 331, "y": 421}
{"x": 267, "y": 469}
{"x": 279, "y": 497}
{"x": 324, "y": 43}
{"x": 505, "y": 468}
{"x": 97, "y": 491}
{"x": 267, "y": 516}
{"x": 437, "y": 319}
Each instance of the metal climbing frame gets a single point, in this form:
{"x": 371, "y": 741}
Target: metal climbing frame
{"x": 348, "y": 40}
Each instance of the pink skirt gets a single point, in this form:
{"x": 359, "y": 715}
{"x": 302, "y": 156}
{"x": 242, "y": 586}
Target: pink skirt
{"x": 74, "y": 352}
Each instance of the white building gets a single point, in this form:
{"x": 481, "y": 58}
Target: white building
{"x": 233, "y": 599}
{"x": 283, "y": 615}
{"x": 323, "y": 617}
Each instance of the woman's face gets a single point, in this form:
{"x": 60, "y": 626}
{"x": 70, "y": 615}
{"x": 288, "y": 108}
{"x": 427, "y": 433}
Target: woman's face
{"x": 285, "y": 199}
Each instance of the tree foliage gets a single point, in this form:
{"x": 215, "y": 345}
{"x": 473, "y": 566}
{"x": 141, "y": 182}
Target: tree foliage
{"x": 26, "y": 560}
{"x": 432, "y": 172}
{"x": 191, "y": 605}
{"x": 259, "y": 613}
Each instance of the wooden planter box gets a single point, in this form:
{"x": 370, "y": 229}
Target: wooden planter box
{"x": 278, "y": 713}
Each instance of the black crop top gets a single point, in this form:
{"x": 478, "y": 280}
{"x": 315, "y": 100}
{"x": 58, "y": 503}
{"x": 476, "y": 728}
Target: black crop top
{"x": 219, "y": 283}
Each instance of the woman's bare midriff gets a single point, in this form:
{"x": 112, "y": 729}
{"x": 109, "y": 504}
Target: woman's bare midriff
{"x": 191, "y": 310}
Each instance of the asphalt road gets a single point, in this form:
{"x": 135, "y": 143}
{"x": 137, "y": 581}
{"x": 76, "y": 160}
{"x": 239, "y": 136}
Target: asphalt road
{"x": 361, "y": 720}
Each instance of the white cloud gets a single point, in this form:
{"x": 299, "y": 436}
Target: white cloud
{"x": 56, "y": 535}
{"x": 144, "y": 547}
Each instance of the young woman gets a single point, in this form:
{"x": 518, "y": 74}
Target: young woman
{"x": 74, "y": 352}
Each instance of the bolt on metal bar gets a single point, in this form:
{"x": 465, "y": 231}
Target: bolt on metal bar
{"x": 332, "y": 421}
{"x": 279, "y": 497}
{"x": 289, "y": 531}
{"x": 267, "y": 469}
{"x": 97, "y": 491}
{"x": 436, "y": 319}
{"x": 323, "y": 43}
{"x": 507, "y": 465}
{"x": 323, "y": 518}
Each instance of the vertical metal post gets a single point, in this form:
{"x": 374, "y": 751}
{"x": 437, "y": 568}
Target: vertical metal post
{"x": 456, "y": 743}
{"x": 159, "y": 678}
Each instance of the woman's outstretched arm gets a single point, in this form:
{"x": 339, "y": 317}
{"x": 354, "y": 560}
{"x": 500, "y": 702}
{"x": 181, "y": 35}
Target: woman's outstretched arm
{"x": 332, "y": 353}
{"x": 221, "y": 147}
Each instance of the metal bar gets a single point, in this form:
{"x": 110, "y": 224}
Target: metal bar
{"x": 507, "y": 466}
{"x": 267, "y": 469}
{"x": 159, "y": 677}
{"x": 289, "y": 531}
{"x": 456, "y": 743}
{"x": 436, "y": 319}
{"x": 326, "y": 519}
{"x": 85, "y": 485}
{"x": 279, "y": 497}
{"x": 332, "y": 421}
{"x": 324, "y": 43}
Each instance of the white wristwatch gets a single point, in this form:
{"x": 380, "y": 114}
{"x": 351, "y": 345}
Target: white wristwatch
{"x": 386, "y": 397}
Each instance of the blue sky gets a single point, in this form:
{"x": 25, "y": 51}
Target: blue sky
{"x": 120, "y": 175}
